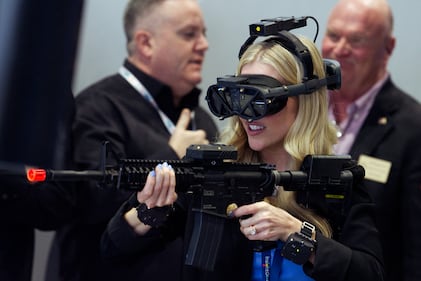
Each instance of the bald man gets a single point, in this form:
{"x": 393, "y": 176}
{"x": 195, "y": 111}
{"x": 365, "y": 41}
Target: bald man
{"x": 379, "y": 125}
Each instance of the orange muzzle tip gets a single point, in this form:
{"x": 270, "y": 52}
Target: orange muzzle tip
{"x": 36, "y": 175}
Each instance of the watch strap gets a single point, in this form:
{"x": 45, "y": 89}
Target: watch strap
{"x": 307, "y": 229}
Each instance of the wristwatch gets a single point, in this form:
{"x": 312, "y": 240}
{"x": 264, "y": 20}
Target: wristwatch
{"x": 154, "y": 217}
{"x": 300, "y": 245}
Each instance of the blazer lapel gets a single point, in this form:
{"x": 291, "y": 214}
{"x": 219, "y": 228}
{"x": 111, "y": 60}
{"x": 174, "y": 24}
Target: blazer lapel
{"x": 378, "y": 122}
{"x": 370, "y": 136}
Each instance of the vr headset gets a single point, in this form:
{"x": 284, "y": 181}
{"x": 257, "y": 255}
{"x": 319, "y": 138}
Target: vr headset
{"x": 253, "y": 97}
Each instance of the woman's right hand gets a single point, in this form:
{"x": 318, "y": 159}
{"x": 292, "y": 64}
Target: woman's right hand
{"x": 159, "y": 189}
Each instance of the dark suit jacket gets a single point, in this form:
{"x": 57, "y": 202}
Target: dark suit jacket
{"x": 399, "y": 200}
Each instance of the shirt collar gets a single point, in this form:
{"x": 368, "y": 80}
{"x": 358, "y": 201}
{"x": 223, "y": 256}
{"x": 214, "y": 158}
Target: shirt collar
{"x": 160, "y": 93}
{"x": 367, "y": 99}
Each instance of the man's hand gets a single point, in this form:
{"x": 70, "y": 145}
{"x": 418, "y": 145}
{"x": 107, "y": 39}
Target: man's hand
{"x": 183, "y": 138}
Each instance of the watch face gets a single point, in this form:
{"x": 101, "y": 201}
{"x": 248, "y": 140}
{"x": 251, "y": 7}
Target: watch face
{"x": 297, "y": 248}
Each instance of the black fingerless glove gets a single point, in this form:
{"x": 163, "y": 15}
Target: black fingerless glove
{"x": 155, "y": 217}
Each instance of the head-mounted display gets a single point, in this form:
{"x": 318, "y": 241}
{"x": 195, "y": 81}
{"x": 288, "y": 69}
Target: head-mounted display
{"x": 253, "y": 97}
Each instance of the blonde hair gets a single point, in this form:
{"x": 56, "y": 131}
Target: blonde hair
{"x": 310, "y": 133}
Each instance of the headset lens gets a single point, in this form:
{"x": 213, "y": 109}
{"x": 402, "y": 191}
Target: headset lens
{"x": 244, "y": 101}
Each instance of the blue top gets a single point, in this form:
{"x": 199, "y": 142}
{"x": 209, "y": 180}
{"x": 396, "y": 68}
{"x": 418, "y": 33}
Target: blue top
{"x": 271, "y": 266}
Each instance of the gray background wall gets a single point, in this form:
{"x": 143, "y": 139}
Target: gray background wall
{"x": 102, "y": 47}
{"x": 102, "y": 43}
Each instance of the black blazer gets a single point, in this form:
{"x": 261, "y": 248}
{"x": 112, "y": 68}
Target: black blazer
{"x": 392, "y": 132}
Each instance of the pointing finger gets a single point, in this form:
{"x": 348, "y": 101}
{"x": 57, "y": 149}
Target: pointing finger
{"x": 184, "y": 119}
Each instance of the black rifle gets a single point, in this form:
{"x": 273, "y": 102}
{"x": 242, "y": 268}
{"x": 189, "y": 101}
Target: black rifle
{"x": 209, "y": 172}
{"x": 214, "y": 180}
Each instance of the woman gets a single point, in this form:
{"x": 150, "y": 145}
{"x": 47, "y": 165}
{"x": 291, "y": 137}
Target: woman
{"x": 282, "y": 138}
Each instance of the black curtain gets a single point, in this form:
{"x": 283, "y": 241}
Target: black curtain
{"x": 36, "y": 98}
